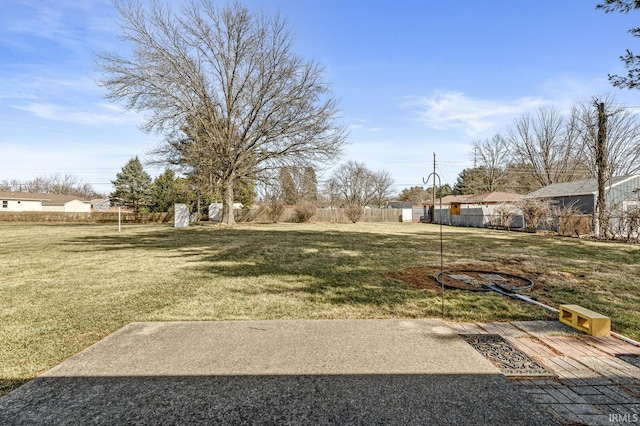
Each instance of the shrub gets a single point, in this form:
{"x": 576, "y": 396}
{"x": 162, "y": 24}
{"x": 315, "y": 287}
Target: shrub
{"x": 304, "y": 212}
{"x": 275, "y": 210}
{"x": 535, "y": 211}
{"x": 354, "y": 212}
{"x": 570, "y": 221}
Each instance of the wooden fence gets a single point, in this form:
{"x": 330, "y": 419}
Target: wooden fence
{"x": 260, "y": 215}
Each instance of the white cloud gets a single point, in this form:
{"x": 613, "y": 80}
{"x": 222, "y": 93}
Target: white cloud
{"x": 29, "y": 86}
{"x": 360, "y": 124}
{"x": 99, "y": 114}
{"x": 455, "y": 110}
{"x": 56, "y": 20}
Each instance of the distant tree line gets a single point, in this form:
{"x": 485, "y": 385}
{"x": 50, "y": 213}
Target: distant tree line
{"x": 546, "y": 147}
{"x": 352, "y": 186}
{"x": 56, "y": 183}
{"x": 420, "y": 195}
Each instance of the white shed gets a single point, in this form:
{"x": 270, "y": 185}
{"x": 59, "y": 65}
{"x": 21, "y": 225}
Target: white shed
{"x": 215, "y": 208}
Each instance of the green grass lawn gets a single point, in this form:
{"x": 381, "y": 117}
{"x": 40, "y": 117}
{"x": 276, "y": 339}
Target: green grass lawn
{"x": 64, "y": 287}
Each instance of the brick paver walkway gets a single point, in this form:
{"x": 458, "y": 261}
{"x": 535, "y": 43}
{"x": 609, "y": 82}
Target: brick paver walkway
{"x": 593, "y": 386}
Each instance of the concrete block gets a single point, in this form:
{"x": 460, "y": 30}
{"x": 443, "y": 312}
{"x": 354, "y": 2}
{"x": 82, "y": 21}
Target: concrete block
{"x": 585, "y": 320}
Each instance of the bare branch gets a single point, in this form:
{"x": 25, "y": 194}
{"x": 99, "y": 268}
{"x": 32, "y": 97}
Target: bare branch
{"x": 225, "y": 89}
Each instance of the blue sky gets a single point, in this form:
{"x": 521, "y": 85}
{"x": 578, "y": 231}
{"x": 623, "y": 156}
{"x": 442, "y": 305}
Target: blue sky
{"x": 413, "y": 78}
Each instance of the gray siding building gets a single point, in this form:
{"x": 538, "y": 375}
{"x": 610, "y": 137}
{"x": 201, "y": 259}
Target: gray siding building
{"x": 622, "y": 195}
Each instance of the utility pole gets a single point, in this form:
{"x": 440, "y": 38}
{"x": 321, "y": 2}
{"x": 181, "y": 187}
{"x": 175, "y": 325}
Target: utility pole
{"x": 601, "y": 167}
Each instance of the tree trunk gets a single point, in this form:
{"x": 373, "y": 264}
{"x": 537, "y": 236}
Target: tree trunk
{"x": 602, "y": 229}
{"x": 227, "y": 203}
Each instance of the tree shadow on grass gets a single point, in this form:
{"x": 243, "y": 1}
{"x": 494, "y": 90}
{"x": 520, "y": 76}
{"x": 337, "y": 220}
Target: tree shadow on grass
{"x": 343, "y": 267}
{"x": 349, "y": 267}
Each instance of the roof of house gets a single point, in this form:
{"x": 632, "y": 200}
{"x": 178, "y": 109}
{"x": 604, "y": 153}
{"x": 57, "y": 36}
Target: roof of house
{"x": 46, "y": 199}
{"x": 400, "y": 204}
{"x": 487, "y": 197}
{"x": 578, "y": 187}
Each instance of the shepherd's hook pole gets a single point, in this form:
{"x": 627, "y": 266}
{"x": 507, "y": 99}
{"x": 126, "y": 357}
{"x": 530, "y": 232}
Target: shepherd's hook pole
{"x": 435, "y": 175}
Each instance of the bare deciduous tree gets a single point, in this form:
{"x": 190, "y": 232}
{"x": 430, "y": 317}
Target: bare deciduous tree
{"x": 54, "y": 183}
{"x": 622, "y": 145}
{"x": 353, "y": 184}
{"x": 382, "y": 187}
{"x": 491, "y": 158}
{"x": 549, "y": 145}
{"x": 225, "y": 88}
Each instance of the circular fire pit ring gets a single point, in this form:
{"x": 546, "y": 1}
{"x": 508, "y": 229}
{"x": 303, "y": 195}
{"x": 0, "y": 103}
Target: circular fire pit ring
{"x": 480, "y": 280}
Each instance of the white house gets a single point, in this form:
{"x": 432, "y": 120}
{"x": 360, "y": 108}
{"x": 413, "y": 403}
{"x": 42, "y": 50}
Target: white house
{"x": 32, "y": 202}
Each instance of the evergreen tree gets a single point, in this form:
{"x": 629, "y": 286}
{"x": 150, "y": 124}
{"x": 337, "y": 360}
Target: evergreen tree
{"x": 133, "y": 186}
{"x": 310, "y": 185}
{"x": 289, "y": 188}
{"x": 631, "y": 61}
{"x": 416, "y": 194}
{"x": 469, "y": 181}
{"x": 164, "y": 191}
{"x": 245, "y": 193}
{"x": 444, "y": 190}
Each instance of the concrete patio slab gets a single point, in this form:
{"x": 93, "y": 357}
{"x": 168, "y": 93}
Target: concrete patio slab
{"x": 276, "y": 372}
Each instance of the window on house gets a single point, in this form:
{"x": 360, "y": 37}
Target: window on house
{"x": 5, "y": 204}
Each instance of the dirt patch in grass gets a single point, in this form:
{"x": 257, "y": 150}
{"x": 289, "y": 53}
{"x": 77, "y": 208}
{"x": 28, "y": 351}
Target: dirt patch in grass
{"x": 417, "y": 277}
{"x": 424, "y": 277}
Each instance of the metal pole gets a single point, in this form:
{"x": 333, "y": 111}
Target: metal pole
{"x": 434, "y": 215}
{"x": 119, "y": 227}
{"x": 434, "y": 183}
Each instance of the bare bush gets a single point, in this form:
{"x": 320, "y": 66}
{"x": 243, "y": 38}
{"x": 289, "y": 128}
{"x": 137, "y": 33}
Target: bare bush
{"x": 275, "y": 210}
{"x": 304, "y": 212}
{"x": 623, "y": 222}
{"x": 570, "y": 221}
{"x": 535, "y": 211}
{"x": 632, "y": 223}
{"x": 505, "y": 213}
{"x": 354, "y": 212}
